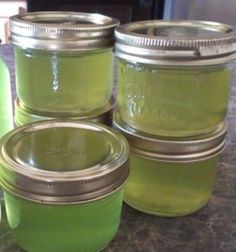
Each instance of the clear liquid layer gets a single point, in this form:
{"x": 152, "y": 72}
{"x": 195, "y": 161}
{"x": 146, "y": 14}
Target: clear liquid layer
{"x": 6, "y": 118}
{"x": 169, "y": 189}
{"x": 173, "y": 101}
{"x": 59, "y": 228}
{"x": 61, "y": 83}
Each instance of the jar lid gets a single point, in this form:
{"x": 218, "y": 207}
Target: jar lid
{"x": 181, "y": 42}
{"x": 62, "y": 31}
{"x": 24, "y": 115}
{"x": 63, "y": 161}
{"x": 183, "y": 149}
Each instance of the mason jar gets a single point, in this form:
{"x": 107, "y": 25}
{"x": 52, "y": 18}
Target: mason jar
{"x": 63, "y": 184}
{"x": 63, "y": 62}
{"x": 168, "y": 176}
{"x": 174, "y": 76}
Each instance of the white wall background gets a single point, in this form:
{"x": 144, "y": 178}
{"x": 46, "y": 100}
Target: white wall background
{"x": 223, "y": 11}
{"x": 9, "y": 8}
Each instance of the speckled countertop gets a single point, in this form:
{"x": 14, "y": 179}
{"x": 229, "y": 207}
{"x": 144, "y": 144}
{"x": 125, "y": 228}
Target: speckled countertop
{"x": 212, "y": 229}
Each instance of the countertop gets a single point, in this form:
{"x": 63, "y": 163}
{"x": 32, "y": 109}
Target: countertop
{"x": 212, "y": 229}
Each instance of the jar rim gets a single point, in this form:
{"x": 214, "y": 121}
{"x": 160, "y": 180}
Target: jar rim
{"x": 62, "y": 30}
{"x": 173, "y": 149}
{"x": 82, "y": 184}
{"x": 176, "y": 42}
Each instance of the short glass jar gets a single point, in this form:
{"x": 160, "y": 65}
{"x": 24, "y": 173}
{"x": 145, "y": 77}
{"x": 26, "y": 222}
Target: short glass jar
{"x": 63, "y": 62}
{"x": 171, "y": 177}
{"x": 63, "y": 184}
{"x": 174, "y": 76}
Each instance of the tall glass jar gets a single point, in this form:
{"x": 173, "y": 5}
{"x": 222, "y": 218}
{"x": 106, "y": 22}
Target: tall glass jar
{"x": 6, "y": 117}
{"x": 169, "y": 176}
{"x": 174, "y": 76}
{"x": 64, "y": 64}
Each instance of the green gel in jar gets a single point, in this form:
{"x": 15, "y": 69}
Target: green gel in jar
{"x": 64, "y": 63}
{"x": 6, "y": 117}
{"x": 63, "y": 185}
{"x": 171, "y": 177}
{"x": 169, "y": 189}
{"x": 174, "y": 77}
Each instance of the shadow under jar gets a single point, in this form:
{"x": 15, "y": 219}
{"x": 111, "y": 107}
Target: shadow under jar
{"x": 63, "y": 185}
{"x": 168, "y": 176}
{"x": 64, "y": 64}
{"x": 174, "y": 76}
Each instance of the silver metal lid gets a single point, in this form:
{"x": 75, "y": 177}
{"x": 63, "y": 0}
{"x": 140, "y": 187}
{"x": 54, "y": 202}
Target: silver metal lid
{"x": 181, "y": 42}
{"x": 61, "y": 162}
{"x": 24, "y": 115}
{"x": 171, "y": 149}
{"x": 62, "y": 31}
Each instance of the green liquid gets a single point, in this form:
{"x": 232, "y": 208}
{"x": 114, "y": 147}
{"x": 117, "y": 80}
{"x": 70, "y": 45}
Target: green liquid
{"x": 54, "y": 84}
{"x": 173, "y": 101}
{"x": 87, "y": 227}
{"x": 6, "y": 118}
{"x": 169, "y": 189}
{"x": 1, "y": 202}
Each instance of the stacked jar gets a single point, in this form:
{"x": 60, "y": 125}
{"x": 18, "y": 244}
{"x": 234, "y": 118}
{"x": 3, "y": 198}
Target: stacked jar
{"x": 173, "y": 87}
{"x": 64, "y": 66}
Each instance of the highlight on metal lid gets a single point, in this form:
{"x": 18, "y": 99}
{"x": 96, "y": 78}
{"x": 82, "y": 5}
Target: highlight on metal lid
{"x": 184, "y": 149}
{"x": 58, "y": 161}
{"x": 169, "y": 41}
{"x": 62, "y": 31}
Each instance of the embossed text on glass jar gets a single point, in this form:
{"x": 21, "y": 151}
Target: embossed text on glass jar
{"x": 174, "y": 77}
{"x": 173, "y": 101}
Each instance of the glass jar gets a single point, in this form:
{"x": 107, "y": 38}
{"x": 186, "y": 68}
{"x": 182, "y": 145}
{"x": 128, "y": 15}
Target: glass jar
{"x": 174, "y": 76}
{"x": 64, "y": 62}
{"x": 1, "y": 199}
{"x": 63, "y": 177}
{"x": 6, "y": 117}
{"x": 171, "y": 177}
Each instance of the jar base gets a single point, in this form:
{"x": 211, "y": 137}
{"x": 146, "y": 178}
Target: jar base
{"x": 24, "y": 115}
{"x": 178, "y": 134}
{"x": 139, "y": 128}
{"x": 162, "y": 213}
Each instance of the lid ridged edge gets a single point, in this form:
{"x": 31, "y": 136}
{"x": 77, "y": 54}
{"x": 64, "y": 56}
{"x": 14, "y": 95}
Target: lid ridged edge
{"x": 63, "y": 187}
{"x": 138, "y": 47}
{"x": 27, "y": 31}
{"x": 173, "y": 149}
